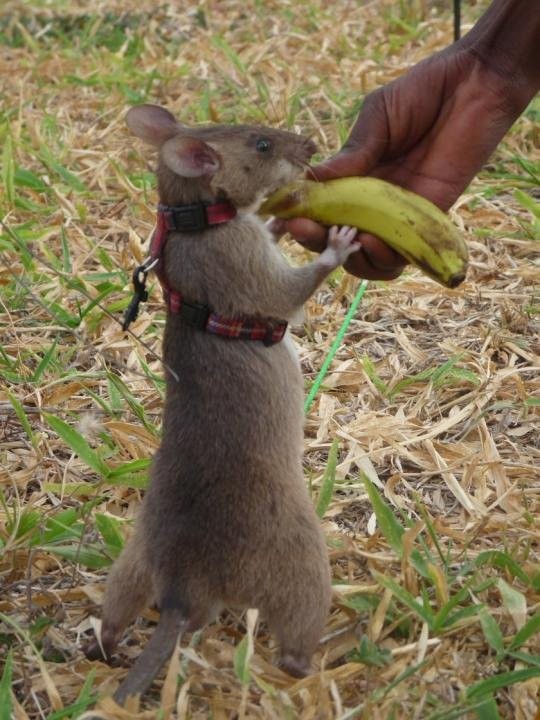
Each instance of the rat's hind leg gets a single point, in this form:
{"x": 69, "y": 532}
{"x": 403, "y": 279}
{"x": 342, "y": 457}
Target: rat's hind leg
{"x": 298, "y": 631}
{"x": 129, "y": 589}
{"x": 298, "y": 614}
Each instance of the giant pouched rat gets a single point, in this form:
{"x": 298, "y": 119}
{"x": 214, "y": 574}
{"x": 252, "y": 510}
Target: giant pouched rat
{"x": 227, "y": 519}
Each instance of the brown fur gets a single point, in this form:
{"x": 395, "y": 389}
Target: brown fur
{"x": 226, "y": 520}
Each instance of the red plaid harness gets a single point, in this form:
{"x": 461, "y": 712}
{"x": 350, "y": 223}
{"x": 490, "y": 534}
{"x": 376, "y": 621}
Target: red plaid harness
{"x": 193, "y": 218}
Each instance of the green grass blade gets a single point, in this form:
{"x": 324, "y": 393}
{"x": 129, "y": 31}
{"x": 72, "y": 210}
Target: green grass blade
{"x": 78, "y": 444}
{"x": 109, "y": 528}
{"x": 129, "y": 468}
{"x": 71, "y": 489}
{"x": 430, "y": 529}
{"x": 488, "y": 710}
{"x": 492, "y": 631}
{"x": 241, "y": 661}
{"x": 390, "y": 527}
{"x": 22, "y": 418}
{"x": 444, "y": 612}
{"x": 75, "y": 710}
{"x": 531, "y": 627}
{"x": 135, "y": 405}
{"x": 8, "y": 170}
{"x": 68, "y": 177}
{"x": 91, "y": 557}
{"x": 26, "y": 178}
{"x": 503, "y": 680}
{"x": 62, "y": 525}
{"x": 329, "y": 478}
{"x": 405, "y": 597}
{"x": 530, "y": 167}
{"x": 132, "y": 474}
{"x": 369, "y": 653}
{"x": 463, "y": 614}
{"x": 24, "y": 524}
{"x": 6, "y": 704}
{"x": 408, "y": 672}
{"x": 86, "y": 690}
{"x": 44, "y": 363}
{"x": 392, "y": 530}
{"x": 369, "y": 368}
{"x": 502, "y": 560}
{"x": 67, "y": 265}
{"x": 136, "y": 482}
{"x": 219, "y": 42}
{"x": 440, "y": 372}
{"x": 524, "y": 657}
{"x": 528, "y": 202}
{"x": 84, "y": 700}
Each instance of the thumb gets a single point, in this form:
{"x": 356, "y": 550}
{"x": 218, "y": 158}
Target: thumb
{"x": 366, "y": 143}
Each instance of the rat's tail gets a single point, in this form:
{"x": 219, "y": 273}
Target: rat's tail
{"x": 154, "y": 656}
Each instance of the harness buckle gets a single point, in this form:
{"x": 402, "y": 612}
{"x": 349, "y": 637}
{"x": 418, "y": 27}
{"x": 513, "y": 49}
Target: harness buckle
{"x": 188, "y": 218}
{"x": 195, "y": 314}
{"x": 140, "y": 295}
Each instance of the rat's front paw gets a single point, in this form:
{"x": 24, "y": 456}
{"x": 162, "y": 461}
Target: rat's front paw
{"x": 341, "y": 244}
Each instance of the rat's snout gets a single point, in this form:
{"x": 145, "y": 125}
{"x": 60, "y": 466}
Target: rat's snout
{"x": 307, "y": 150}
{"x": 311, "y": 146}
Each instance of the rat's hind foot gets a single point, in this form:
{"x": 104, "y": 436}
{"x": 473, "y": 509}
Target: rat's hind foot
{"x": 104, "y": 650}
{"x": 93, "y": 651}
{"x": 296, "y": 665}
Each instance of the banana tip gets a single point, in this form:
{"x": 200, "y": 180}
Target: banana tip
{"x": 456, "y": 280}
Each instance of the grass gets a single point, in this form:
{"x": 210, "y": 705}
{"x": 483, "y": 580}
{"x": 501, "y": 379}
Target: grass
{"x": 421, "y": 451}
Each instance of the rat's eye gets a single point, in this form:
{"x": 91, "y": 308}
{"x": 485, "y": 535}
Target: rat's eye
{"x": 263, "y": 145}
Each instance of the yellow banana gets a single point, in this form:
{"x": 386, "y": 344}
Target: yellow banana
{"x": 409, "y": 223}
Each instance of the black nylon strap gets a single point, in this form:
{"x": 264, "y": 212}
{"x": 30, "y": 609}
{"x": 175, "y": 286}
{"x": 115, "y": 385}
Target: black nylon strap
{"x": 187, "y": 218}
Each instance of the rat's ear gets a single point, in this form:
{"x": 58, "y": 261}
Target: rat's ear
{"x": 152, "y": 123}
{"x": 190, "y": 157}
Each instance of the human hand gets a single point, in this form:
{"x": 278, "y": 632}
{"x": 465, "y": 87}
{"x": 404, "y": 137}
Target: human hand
{"x": 431, "y": 130}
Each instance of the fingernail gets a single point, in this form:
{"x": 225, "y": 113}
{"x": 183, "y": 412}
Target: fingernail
{"x": 276, "y": 225}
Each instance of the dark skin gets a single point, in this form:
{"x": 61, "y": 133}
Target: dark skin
{"x": 432, "y": 129}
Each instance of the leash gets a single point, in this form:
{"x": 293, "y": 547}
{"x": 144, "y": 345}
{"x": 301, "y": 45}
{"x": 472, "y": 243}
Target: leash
{"x": 316, "y": 384}
{"x": 457, "y": 20}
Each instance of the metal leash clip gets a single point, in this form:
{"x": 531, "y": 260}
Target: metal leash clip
{"x": 140, "y": 293}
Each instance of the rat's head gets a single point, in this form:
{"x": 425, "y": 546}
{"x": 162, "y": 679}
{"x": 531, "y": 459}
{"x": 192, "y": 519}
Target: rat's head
{"x": 243, "y": 162}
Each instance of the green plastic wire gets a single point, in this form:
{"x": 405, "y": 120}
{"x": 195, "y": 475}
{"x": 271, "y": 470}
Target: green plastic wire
{"x": 315, "y": 386}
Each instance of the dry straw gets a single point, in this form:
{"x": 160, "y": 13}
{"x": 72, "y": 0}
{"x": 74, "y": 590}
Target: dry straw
{"x": 432, "y": 394}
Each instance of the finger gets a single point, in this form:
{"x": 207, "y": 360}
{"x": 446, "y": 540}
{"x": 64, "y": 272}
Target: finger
{"x": 276, "y": 226}
{"x": 308, "y": 233}
{"x": 364, "y": 146}
{"x": 442, "y": 192}
{"x": 359, "y": 264}
{"x": 346, "y": 163}
{"x": 375, "y": 260}
{"x": 347, "y": 233}
{"x": 380, "y": 255}
{"x": 350, "y": 233}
